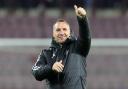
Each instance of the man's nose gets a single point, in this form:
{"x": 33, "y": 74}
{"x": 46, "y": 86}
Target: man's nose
{"x": 62, "y": 32}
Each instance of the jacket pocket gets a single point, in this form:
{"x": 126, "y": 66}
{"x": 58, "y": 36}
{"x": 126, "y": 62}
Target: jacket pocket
{"x": 83, "y": 82}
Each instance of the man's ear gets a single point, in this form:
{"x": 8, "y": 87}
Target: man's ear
{"x": 69, "y": 37}
{"x": 72, "y": 35}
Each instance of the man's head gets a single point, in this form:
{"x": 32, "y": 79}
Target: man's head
{"x": 61, "y": 31}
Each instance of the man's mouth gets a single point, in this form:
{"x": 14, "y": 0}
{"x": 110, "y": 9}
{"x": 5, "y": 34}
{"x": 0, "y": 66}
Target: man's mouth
{"x": 61, "y": 37}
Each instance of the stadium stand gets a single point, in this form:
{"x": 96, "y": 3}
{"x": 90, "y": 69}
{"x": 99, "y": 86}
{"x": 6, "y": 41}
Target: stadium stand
{"x": 107, "y": 68}
{"x": 31, "y": 27}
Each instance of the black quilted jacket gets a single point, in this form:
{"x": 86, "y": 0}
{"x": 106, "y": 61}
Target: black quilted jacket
{"x": 73, "y": 53}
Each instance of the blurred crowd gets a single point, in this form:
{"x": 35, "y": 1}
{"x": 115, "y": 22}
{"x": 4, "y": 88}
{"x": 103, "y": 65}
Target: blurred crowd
{"x": 12, "y": 5}
{"x": 26, "y": 4}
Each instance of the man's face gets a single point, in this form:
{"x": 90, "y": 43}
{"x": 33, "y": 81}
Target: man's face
{"x": 61, "y": 31}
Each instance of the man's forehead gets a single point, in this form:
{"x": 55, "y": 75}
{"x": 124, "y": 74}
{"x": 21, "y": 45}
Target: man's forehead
{"x": 61, "y": 24}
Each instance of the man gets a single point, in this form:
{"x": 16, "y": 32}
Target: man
{"x": 63, "y": 65}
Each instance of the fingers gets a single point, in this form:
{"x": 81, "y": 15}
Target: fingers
{"x": 79, "y": 11}
{"x": 75, "y": 7}
{"x": 60, "y": 61}
{"x": 58, "y": 66}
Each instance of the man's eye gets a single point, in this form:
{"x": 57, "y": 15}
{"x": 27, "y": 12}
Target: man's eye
{"x": 57, "y": 30}
{"x": 64, "y": 29}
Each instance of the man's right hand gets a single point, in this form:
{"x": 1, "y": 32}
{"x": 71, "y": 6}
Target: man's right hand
{"x": 58, "y": 66}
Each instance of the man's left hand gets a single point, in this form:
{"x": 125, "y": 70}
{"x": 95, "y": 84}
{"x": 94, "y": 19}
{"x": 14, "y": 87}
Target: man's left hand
{"x": 80, "y": 12}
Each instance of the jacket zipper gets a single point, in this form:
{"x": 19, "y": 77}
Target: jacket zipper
{"x": 59, "y": 73}
{"x": 58, "y": 77}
